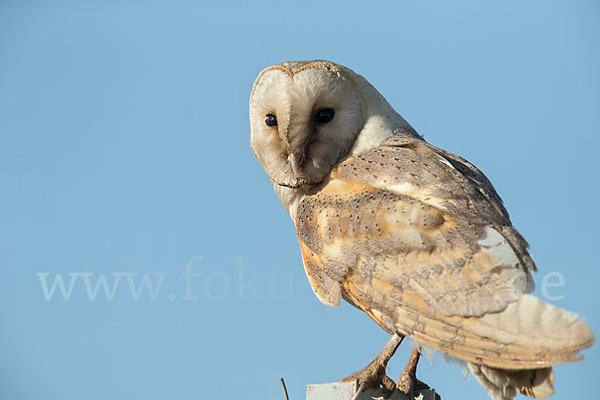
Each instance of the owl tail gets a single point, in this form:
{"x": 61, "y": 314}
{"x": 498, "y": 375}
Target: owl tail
{"x": 528, "y": 334}
{"x": 510, "y": 351}
{"x": 539, "y": 332}
{"x": 504, "y": 384}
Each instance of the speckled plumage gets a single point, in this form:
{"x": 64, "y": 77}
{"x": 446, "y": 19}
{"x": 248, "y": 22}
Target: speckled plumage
{"x": 413, "y": 235}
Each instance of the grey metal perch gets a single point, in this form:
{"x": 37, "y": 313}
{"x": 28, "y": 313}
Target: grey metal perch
{"x": 348, "y": 390}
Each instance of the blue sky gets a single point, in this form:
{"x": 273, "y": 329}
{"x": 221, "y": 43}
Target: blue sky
{"x": 125, "y": 154}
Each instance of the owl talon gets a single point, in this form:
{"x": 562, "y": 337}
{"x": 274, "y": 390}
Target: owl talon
{"x": 408, "y": 379}
{"x": 373, "y": 375}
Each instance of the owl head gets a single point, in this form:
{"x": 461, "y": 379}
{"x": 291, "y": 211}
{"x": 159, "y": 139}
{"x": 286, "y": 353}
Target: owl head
{"x": 306, "y": 116}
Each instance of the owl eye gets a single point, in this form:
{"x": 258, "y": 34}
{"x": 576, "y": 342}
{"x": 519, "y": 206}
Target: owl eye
{"x": 271, "y": 120}
{"x": 324, "y": 115}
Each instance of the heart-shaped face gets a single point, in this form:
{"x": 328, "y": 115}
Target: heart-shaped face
{"x": 304, "y": 118}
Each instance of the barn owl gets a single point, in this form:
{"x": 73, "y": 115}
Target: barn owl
{"x": 413, "y": 235}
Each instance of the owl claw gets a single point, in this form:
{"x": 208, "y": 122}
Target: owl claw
{"x": 373, "y": 375}
{"x": 408, "y": 382}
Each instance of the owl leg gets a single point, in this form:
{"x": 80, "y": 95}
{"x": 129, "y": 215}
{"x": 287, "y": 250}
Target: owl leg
{"x": 408, "y": 379}
{"x": 373, "y": 375}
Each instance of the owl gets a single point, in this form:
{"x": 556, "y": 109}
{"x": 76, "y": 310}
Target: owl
{"x": 411, "y": 234}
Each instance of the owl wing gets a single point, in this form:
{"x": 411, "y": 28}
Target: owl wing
{"x": 419, "y": 239}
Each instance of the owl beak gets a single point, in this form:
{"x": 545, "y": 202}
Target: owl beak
{"x": 296, "y": 161}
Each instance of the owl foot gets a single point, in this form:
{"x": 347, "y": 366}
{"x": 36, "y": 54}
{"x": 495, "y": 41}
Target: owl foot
{"x": 373, "y": 375}
{"x": 408, "y": 379}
